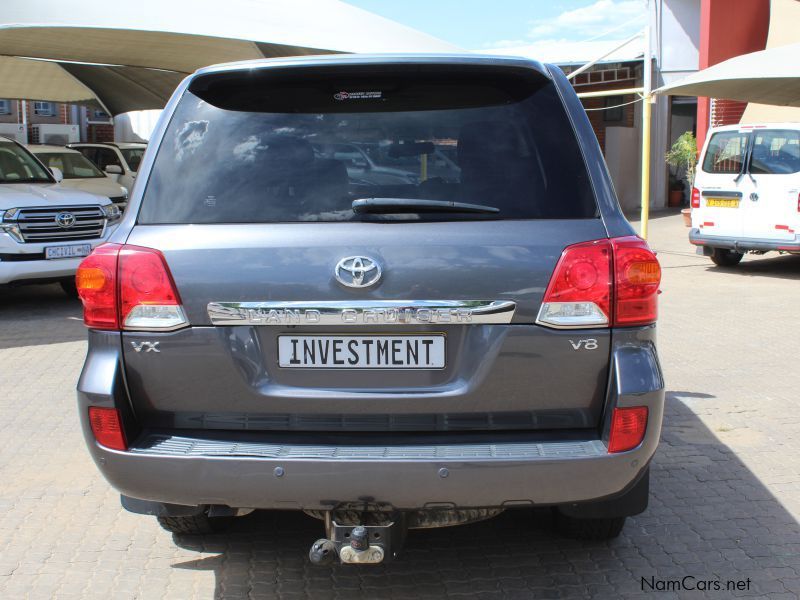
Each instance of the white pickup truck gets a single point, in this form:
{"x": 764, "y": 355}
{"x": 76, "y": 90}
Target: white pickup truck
{"x": 45, "y": 229}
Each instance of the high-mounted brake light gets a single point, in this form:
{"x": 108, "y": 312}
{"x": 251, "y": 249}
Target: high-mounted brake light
{"x": 695, "y": 198}
{"x": 128, "y": 287}
{"x": 628, "y": 426}
{"x": 603, "y": 283}
{"x": 107, "y": 428}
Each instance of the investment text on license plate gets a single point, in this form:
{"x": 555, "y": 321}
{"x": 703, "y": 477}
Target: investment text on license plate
{"x": 362, "y": 351}
{"x": 52, "y": 252}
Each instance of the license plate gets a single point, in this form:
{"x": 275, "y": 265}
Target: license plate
{"x": 723, "y": 202}
{"x": 361, "y": 351}
{"x": 67, "y": 251}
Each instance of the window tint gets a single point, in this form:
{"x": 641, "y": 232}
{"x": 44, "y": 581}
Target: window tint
{"x": 105, "y": 157}
{"x": 246, "y": 150}
{"x": 775, "y": 152}
{"x": 72, "y": 164}
{"x": 725, "y": 152}
{"x": 17, "y": 166}
{"x": 133, "y": 156}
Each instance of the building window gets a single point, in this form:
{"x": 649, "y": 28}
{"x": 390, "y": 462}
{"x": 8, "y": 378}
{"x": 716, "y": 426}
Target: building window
{"x": 613, "y": 112}
{"x": 44, "y": 109}
{"x": 99, "y": 115}
{"x": 5, "y": 107}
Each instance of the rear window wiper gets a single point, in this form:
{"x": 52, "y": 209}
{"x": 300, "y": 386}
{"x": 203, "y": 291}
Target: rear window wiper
{"x": 416, "y": 205}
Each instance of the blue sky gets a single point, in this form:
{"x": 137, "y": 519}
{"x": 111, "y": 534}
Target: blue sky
{"x": 478, "y": 24}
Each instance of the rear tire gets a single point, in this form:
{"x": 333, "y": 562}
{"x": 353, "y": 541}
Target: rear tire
{"x": 195, "y": 525}
{"x": 589, "y": 529}
{"x": 69, "y": 288}
{"x": 726, "y": 258}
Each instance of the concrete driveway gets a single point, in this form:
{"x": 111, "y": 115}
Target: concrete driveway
{"x": 725, "y": 483}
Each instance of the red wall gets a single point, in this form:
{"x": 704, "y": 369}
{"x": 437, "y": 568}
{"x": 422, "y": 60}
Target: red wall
{"x": 728, "y": 28}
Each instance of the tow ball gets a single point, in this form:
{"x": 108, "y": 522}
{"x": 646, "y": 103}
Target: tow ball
{"x": 359, "y": 545}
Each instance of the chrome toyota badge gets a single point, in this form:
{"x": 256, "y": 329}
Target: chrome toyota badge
{"x": 357, "y": 271}
{"x": 65, "y": 220}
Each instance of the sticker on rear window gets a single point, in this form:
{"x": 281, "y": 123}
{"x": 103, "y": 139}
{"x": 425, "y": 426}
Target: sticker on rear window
{"x": 357, "y": 95}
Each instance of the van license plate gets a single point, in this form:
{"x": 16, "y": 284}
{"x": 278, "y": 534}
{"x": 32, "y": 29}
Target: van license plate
{"x": 362, "y": 351}
{"x": 723, "y": 202}
{"x": 54, "y": 252}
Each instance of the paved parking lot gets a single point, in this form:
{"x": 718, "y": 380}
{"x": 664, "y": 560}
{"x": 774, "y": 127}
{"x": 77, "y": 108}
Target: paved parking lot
{"x": 726, "y": 480}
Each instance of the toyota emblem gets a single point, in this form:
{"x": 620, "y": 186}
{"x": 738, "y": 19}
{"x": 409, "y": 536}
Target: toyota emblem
{"x": 357, "y": 271}
{"x": 65, "y": 220}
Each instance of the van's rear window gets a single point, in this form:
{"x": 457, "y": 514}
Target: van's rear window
{"x": 260, "y": 148}
{"x": 726, "y": 152}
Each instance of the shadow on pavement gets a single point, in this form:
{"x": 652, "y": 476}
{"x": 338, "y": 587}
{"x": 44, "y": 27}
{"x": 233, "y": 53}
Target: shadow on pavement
{"x": 709, "y": 518}
{"x": 35, "y": 315}
{"x": 786, "y": 266}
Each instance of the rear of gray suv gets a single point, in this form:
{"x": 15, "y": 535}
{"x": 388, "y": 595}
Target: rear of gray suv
{"x": 268, "y": 331}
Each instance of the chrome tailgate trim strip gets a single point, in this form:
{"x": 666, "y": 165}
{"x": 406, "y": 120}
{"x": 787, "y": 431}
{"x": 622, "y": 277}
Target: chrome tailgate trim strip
{"x": 363, "y": 312}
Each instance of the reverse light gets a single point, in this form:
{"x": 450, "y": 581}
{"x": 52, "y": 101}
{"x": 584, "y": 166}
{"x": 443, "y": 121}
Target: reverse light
{"x": 130, "y": 288}
{"x": 628, "y": 426}
{"x": 107, "y": 428}
{"x": 695, "y": 198}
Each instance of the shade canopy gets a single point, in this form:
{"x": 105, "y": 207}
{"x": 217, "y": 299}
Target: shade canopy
{"x": 769, "y": 77}
{"x": 132, "y": 59}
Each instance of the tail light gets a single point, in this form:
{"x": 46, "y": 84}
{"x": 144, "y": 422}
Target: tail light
{"x": 107, "y": 428}
{"x": 603, "y": 283}
{"x": 636, "y": 275}
{"x": 128, "y": 287}
{"x": 695, "y": 198}
{"x": 628, "y": 426}
{"x": 579, "y": 294}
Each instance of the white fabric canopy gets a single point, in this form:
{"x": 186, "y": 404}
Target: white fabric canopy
{"x": 770, "y": 77}
{"x": 139, "y": 54}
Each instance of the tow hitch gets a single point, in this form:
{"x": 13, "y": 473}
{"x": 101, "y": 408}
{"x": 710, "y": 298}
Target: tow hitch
{"x": 362, "y": 544}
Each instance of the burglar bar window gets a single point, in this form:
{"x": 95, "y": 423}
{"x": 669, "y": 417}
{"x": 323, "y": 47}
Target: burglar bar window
{"x": 44, "y": 109}
{"x": 5, "y": 107}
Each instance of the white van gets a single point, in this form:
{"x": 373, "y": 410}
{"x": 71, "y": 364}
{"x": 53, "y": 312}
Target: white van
{"x": 747, "y": 192}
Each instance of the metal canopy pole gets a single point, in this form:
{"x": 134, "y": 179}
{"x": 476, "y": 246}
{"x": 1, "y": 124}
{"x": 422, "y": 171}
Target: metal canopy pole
{"x": 646, "y": 123}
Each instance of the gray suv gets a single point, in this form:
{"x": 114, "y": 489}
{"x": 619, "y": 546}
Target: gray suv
{"x": 267, "y": 333}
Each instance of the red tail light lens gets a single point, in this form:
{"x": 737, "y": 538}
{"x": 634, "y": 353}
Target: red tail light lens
{"x": 96, "y": 281}
{"x": 128, "y": 287}
{"x": 695, "y": 198}
{"x": 628, "y": 426}
{"x": 579, "y": 293}
{"x": 107, "y": 428}
{"x": 637, "y": 276}
{"x": 585, "y": 291}
{"x": 148, "y": 298}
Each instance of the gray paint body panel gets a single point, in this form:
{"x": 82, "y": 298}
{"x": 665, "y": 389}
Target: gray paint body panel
{"x": 496, "y": 373}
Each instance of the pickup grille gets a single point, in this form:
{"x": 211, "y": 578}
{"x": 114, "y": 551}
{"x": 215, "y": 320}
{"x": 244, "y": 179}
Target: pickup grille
{"x": 39, "y": 224}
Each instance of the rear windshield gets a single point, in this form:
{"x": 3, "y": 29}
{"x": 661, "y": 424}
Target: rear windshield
{"x": 775, "y": 152}
{"x": 262, "y": 148}
{"x": 726, "y": 152}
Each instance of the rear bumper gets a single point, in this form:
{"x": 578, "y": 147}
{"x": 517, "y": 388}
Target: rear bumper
{"x": 743, "y": 244}
{"x": 259, "y": 471}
